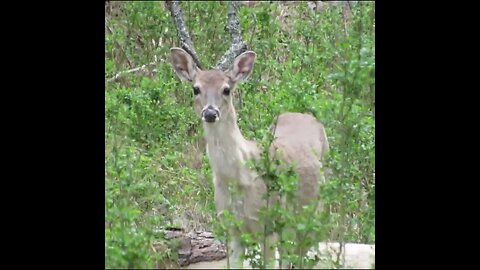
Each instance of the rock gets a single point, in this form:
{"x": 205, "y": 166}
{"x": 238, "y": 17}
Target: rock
{"x": 196, "y": 246}
{"x": 207, "y": 250}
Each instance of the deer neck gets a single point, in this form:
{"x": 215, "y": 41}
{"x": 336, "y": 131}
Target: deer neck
{"x": 225, "y": 134}
{"x": 227, "y": 149}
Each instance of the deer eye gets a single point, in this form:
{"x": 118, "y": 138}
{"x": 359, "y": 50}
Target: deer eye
{"x": 196, "y": 90}
{"x": 226, "y": 91}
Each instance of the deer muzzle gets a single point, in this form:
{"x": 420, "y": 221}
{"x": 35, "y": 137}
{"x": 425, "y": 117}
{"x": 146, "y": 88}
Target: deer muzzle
{"x": 210, "y": 114}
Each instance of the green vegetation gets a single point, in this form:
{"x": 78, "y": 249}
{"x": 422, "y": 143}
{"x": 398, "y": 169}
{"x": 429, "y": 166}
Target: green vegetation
{"x": 156, "y": 170}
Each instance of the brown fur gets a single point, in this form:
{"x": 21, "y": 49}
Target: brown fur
{"x": 300, "y": 140}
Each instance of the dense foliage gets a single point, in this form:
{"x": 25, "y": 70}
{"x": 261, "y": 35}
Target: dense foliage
{"x": 156, "y": 170}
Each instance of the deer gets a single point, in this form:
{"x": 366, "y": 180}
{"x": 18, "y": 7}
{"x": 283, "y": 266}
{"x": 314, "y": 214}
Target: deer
{"x": 299, "y": 140}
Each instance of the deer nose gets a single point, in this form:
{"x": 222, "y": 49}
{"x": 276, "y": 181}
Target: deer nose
{"x": 210, "y": 114}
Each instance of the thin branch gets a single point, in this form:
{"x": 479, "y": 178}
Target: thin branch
{"x": 120, "y": 74}
{"x": 183, "y": 34}
{"x": 238, "y": 46}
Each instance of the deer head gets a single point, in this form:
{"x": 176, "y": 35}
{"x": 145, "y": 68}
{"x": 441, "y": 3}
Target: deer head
{"x": 212, "y": 89}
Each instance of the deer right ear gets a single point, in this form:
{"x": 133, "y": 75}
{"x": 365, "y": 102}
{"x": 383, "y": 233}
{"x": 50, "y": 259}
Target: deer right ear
{"x": 183, "y": 64}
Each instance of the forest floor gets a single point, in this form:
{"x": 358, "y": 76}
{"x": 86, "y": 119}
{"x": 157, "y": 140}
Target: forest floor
{"x": 200, "y": 250}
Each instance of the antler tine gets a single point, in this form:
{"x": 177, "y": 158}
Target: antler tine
{"x": 185, "y": 39}
{"x": 238, "y": 46}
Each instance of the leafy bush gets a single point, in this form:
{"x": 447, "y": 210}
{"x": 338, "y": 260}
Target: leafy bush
{"x": 156, "y": 171}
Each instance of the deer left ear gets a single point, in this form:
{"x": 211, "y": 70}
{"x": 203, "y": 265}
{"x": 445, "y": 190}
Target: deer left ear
{"x": 243, "y": 66}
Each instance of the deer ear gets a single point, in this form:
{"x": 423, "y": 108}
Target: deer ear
{"x": 243, "y": 66}
{"x": 183, "y": 64}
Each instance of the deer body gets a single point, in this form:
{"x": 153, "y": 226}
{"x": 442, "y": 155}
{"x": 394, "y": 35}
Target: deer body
{"x": 228, "y": 151}
{"x": 300, "y": 140}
